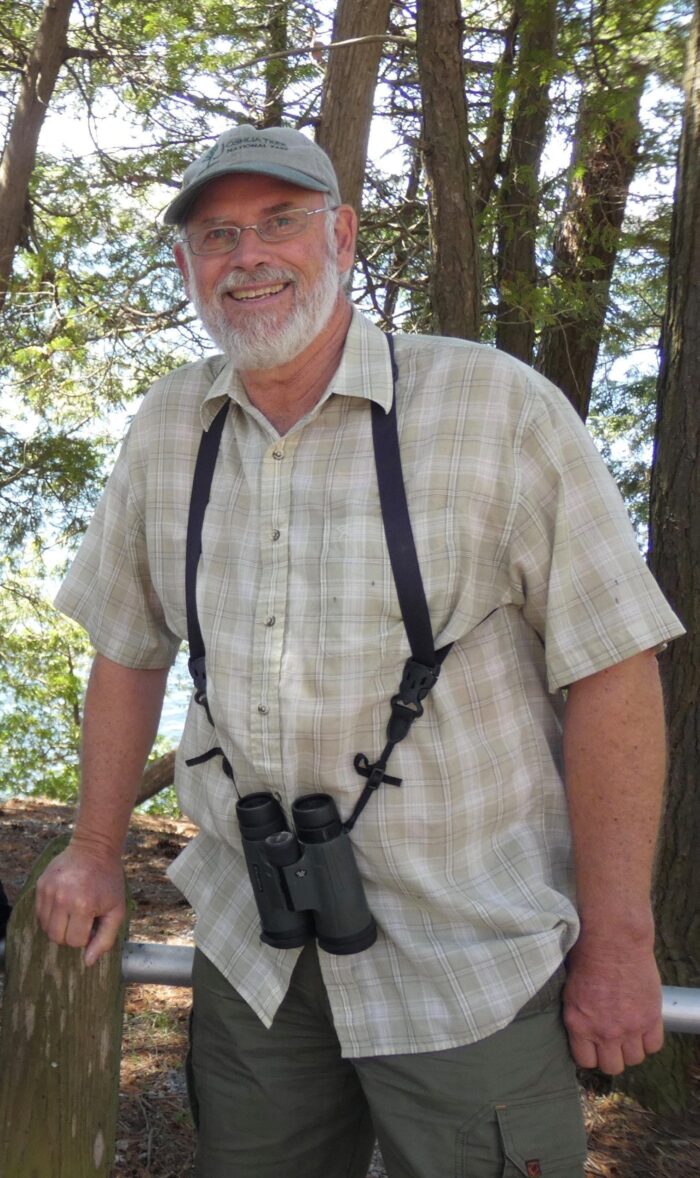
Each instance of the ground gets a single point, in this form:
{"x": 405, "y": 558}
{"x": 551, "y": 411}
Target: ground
{"x": 155, "y": 1137}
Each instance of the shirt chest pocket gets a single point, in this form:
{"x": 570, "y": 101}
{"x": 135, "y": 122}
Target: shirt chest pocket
{"x": 349, "y": 575}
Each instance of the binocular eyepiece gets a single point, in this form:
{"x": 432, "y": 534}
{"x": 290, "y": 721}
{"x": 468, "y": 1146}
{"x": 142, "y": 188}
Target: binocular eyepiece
{"x": 305, "y": 882}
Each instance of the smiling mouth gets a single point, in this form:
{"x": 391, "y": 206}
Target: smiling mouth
{"x": 260, "y": 292}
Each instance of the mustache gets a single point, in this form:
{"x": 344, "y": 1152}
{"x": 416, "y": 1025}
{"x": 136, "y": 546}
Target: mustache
{"x": 262, "y": 276}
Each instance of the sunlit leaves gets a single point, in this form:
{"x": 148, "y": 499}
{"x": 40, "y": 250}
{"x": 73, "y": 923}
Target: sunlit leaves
{"x": 42, "y": 674}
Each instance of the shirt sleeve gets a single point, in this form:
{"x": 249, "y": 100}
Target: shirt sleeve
{"x": 574, "y": 559}
{"x": 108, "y": 589}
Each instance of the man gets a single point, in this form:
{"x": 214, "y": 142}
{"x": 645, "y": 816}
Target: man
{"x": 540, "y": 755}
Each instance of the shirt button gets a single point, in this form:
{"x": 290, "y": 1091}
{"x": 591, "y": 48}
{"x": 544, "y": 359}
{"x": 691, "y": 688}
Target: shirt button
{"x": 278, "y": 455}
{"x": 263, "y": 709}
{"x": 271, "y": 620}
{"x": 276, "y": 534}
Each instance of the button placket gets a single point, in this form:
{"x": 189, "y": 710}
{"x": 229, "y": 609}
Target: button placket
{"x": 275, "y": 493}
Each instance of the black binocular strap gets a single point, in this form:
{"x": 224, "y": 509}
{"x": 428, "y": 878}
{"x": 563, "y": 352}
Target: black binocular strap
{"x": 199, "y": 498}
{"x": 420, "y": 671}
{"x": 398, "y": 530}
{"x": 201, "y": 489}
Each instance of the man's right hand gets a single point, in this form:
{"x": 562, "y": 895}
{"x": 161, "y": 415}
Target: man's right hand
{"x": 80, "y": 900}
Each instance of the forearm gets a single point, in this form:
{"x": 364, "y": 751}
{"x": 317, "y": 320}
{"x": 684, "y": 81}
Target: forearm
{"x": 615, "y": 754}
{"x": 122, "y": 711}
{"x": 80, "y": 896}
{"x": 615, "y": 760}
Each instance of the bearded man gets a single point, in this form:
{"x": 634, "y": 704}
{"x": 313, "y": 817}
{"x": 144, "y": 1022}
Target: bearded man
{"x": 508, "y": 878}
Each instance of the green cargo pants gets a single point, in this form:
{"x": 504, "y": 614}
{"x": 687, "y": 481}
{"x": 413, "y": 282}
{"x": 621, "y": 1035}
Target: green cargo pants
{"x": 282, "y": 1103}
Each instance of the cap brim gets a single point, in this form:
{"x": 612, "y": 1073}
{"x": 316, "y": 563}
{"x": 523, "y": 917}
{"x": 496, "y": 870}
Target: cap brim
{"x": 177, "y": 210}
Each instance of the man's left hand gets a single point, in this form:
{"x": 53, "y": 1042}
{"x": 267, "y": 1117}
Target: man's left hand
{"x": 612, "y": 1005}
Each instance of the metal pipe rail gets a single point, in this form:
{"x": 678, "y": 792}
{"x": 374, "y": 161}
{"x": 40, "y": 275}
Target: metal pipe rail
{"x": 156, "y": 964}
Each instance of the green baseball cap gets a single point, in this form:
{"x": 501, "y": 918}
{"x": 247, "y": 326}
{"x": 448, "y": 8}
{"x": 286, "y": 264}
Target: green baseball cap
{"x": 269, "y": 151}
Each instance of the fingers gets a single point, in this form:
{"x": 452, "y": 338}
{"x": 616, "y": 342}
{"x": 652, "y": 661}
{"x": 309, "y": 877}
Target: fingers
{"x": 64, "y": 920}
{"x": 612, "y": 1006}
{"x": 612, "y": 1056}
{"x": 79, "y": 903}
{"x": 584, "y": 1051}
{"x": 653, "y": 1040}
{"x": 105, "y": 933}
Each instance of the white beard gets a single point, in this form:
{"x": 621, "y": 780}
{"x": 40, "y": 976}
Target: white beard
{"x": 261, "y": 341}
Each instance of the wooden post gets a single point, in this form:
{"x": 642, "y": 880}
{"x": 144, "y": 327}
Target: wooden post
{"x": 60, "y": 1047}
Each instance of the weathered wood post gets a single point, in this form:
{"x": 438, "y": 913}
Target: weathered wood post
{"x": 60, "y": 1047}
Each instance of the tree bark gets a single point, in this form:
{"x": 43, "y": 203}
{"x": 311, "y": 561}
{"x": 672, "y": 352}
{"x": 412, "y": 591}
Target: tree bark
{"x": 663, "y": 1082}
{"x": 455, "y": 280}
{"x": 348, "y": 92}
{"x": 518, "y": 212}
{"x": 603, "y": 163}
{"x": 493, "y": 139}
{"x": 277, "y": 68}
{"x": 37, "y": 86}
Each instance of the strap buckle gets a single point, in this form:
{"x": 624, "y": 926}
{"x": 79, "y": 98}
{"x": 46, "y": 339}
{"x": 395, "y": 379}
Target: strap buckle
{"x": 198, "y": 670}
{"x": 407, "y": 705}
{"x": 418, "y": 680}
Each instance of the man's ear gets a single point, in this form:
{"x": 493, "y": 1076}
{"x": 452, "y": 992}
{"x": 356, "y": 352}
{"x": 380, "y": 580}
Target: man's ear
{"x": 345, "y": 236}
{"x": 180, "y": 258}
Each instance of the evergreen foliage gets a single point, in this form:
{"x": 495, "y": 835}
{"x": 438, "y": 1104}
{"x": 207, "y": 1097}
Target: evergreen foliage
{"x": 573, "y": 116}
{"x": 95, "y": 310}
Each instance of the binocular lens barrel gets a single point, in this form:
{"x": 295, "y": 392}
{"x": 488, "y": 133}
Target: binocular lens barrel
{"x": 316, "y": 818}
{"x": 260, "y": 815}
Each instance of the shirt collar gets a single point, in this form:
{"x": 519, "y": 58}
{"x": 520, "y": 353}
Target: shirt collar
{"x": 364, "y": 371}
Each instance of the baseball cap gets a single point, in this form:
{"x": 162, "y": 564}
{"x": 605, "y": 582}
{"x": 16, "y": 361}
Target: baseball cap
{"x": 270, "y": 151}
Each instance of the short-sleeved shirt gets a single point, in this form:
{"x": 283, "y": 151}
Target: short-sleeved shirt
{"x": 530, "y": 568}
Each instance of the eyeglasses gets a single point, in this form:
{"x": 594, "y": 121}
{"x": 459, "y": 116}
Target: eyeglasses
{"x": 221, "y": 239}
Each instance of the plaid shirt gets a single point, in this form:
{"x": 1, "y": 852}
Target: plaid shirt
{"x": 530, "y": 567}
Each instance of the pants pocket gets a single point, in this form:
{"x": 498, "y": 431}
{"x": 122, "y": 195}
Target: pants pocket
{"x": 535, "y": 1137}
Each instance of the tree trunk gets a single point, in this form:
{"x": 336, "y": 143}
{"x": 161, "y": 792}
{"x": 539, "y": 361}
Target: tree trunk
{"x": 518, "y": 212}
{"x": 495, "y": 127}
{"x": 348, "y": 92}
{"x": 157, "y": 776}
{"x": 455, "y": 282}
{"x": 663, "y": 1082}
{"x": 37, "y": 86}
{"x": 277, "y": 69}
{"x": 603, "y": 163}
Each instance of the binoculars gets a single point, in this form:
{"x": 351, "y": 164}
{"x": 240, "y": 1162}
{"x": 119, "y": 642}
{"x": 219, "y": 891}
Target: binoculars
{"x": 306, "y": 883}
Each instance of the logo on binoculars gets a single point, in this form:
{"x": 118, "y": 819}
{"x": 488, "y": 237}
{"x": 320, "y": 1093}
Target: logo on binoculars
{"x": 301, "y": 873}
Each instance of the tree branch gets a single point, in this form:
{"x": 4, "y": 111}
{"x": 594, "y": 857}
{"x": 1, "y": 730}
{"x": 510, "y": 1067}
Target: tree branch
{"x": 319, "y": 47}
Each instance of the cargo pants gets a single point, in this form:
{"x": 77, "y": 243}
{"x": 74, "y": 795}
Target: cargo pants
{"x": 282, "y": 1101}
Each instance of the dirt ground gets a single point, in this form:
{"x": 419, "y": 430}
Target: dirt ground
{"x": 155, "y": 1137}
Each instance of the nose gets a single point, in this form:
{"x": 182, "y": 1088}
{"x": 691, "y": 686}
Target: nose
{"x": 250, "y": 248}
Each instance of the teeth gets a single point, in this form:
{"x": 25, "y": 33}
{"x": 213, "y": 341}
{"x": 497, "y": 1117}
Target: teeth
{"x": 259, "y": 293}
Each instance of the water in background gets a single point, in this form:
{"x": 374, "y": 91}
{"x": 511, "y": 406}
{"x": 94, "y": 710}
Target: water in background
{"x": 177, "y": 699}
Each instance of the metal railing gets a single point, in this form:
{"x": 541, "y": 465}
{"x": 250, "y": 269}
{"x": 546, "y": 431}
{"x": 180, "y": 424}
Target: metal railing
{"x": 156, "y": 964}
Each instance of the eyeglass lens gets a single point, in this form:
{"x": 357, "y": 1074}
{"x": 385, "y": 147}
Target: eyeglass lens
{"x": 216, "y": 239}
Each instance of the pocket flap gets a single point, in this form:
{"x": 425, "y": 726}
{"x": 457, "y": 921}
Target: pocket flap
{"x": 543, "y": 1137}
